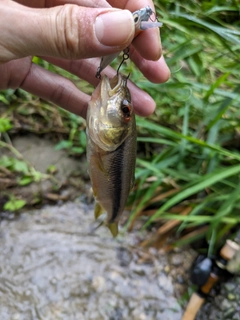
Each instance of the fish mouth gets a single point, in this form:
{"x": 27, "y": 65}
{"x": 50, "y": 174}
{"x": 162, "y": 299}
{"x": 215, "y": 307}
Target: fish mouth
{"x": 115, "y": 84}
{"x": 115, "y": 81}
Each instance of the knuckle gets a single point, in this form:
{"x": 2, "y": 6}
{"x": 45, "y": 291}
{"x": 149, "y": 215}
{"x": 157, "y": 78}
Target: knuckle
{"x": 57, "y": 94}
{"x": 67, "y": 31}
{"x": 14, "y": 73}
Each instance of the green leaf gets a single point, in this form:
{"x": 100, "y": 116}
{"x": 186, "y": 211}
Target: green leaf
{"x": 5, "y": 124}
{"x": 216, "y": 84}
{"x": 14, "y": 164}
{"x": 3, "y": 99}
{"x": 25, "y": 180}
{"x": 14, "y": 204}
{"x": 20, "y": 166}
{"x": 77, "y": 150}
{"x": 52, "y": 169}
{"x": 37, "y": 176}
{"x": 64, "y": 144}
{"x": 82, "y": 139}
{"x": 196, "y": 186}
{"x": 5, "y": 161}
{"x": 225, "y": 33}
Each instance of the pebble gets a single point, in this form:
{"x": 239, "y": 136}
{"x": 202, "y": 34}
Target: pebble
{"x": 176, "y": 260}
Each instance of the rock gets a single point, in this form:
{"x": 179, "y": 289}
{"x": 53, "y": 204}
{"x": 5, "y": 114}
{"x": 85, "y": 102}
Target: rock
{"x": 176, "y": 260}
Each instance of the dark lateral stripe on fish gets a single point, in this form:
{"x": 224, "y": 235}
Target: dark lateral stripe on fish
{"x": 116, "y": 170}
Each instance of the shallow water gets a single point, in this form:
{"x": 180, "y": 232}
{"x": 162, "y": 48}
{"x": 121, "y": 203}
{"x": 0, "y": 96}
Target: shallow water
{"x": 53, "y": 267}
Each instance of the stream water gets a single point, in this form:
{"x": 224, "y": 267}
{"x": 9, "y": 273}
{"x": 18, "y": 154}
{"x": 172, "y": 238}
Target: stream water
{"x": 53, "y": 267}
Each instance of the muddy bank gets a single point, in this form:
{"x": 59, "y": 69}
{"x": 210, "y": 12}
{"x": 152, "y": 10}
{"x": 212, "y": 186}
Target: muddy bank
{"x": 54, "y": 267}
{"x": 68, "y": 180}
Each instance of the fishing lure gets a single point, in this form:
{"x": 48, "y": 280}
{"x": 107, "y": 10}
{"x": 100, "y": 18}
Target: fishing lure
{"x": 141, "y": 20}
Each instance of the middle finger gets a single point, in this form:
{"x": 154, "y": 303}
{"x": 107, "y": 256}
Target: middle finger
{"x": 147, "y": 43}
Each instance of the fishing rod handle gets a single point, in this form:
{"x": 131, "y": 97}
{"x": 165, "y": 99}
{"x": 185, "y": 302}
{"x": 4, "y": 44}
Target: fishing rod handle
{"x": 193, "y": 306}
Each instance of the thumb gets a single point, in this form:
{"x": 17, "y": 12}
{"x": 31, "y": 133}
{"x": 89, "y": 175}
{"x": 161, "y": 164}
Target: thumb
{"x": 68, "y": 31}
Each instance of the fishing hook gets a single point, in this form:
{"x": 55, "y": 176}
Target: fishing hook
{"x": 125, "y": 57}
{"x": 98, "y": 73}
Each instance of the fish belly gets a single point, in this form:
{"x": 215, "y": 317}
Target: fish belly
{"x": 112, "y": 176}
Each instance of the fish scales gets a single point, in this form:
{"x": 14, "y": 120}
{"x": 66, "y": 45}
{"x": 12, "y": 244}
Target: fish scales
{"x": 122, "y": 179}
{"x": 111, "y": 170}
{"x": 112, "y": 177}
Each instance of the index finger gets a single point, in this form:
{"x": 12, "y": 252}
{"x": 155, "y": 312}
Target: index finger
{"x": 147, "y": 43}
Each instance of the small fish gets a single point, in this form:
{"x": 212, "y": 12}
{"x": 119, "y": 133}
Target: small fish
{"x": 141, "y": 19}
{"x": 111, "y": 147}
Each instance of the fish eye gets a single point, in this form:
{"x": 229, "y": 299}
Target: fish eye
{"x": 126, "y": 110}
{"x": 136, "y": 18}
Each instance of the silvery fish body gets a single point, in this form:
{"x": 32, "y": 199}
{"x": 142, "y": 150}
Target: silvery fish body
{"x": 111, "y": 147}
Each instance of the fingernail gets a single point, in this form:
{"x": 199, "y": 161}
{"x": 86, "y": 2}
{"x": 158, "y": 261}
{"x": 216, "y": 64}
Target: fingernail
{"x": 114, "y": 28}
{"x": 166, "y": 73}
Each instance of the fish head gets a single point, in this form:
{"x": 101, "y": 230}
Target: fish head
{"x": 110, "y": 113}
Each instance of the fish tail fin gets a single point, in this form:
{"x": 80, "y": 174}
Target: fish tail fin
{"x": 98, "y": 210}
{"x": 113, "y": 227}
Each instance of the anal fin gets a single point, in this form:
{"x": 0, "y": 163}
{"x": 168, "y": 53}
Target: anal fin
{"x": 98, "y": 210}
{"x": 113, "y": 227}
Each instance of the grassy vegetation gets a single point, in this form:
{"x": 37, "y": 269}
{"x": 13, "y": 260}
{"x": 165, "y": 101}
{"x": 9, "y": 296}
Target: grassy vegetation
{"x": 188, "y": 168}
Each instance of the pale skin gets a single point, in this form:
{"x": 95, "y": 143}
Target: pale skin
{"x": 71, "y": 34}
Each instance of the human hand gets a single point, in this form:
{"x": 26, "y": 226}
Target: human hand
{"x": 70, "y": 36}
